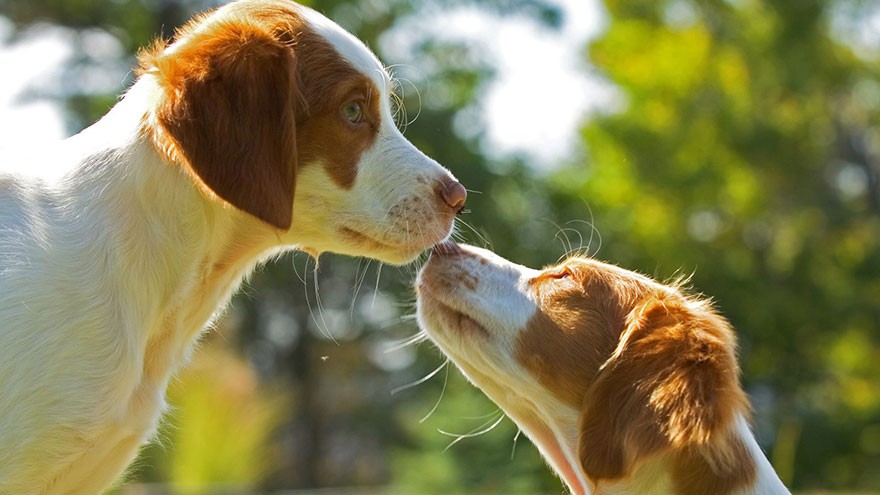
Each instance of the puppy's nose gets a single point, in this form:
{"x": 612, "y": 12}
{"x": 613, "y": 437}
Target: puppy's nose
{"x": 454, "y": 194}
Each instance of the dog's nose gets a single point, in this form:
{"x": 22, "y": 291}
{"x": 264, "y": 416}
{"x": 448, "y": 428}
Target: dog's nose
{"x": 454, "y": 194}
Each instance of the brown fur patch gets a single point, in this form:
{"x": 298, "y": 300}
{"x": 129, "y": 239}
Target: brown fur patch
{"x": 672, "y": 383}
{"x": 718, "y": 468}
{"x": 653, "y": 372}
{"x": 250, "y": 94}
{"x": 566, "y": 342}
{"x": 334, "y": 142}
{"x": 327, "y": 82}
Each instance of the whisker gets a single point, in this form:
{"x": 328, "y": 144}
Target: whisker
{"x": 397, "y": 345}
{"x": 399, "y": 114}
{"x": 419, "y": 96}
{"x": 580, "y": 240}
{"x": 359, "y": 281}
{"x": 420, "y": 381}
{"x": 480, "y": 430}
{"x": 515, "y": 438}
{"x": 486, "y": 243}
{"x": 376, "y": 287}
{"x": 593, "y": 228}
{"x": 325, "y": 329}
{"x": 566, "y": 242}
{"x": 301, "y": 277}
{"x": 442, "y": 394}
{"x": 306, "y": 294}
{"x": 594, "y": 233}
{"x": 399, "y": 95}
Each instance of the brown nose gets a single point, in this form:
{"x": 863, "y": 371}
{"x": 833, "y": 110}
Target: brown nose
{"x": 454, "y": 194}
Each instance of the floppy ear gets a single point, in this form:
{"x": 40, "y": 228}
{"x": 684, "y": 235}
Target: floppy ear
{"x": 672, "y": 382}
{"x": 229, "y": 110}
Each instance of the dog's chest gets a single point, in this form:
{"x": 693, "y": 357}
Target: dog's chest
{"x": 131, "y": 422}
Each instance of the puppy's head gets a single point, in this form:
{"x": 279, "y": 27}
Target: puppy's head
{"x": 603, "y": 368}
{"x": 275, "y": 110}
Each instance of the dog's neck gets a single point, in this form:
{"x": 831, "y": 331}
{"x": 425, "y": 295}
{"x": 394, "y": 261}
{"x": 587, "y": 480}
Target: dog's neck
{"x": 174, "y": 255}
{"x": 657, "y": 477}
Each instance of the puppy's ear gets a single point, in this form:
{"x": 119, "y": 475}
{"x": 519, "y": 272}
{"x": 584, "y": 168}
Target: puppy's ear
{"x": 672, "y": 382}
{"x": 228, "y": 109}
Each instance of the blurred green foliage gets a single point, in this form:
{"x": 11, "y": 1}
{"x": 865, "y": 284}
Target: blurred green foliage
{"x": 220, "y": 427}
{"x": 743, "y": 152}
{"x": 742, "y": 148}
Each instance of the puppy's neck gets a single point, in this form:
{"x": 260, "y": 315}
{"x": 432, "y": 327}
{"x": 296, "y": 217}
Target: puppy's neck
{"x": 766, "y": 479}
{"x": 732, "y": 466}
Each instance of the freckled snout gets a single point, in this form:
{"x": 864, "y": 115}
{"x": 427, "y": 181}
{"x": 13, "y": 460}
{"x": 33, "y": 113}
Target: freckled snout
{"x": 453, "y": 194}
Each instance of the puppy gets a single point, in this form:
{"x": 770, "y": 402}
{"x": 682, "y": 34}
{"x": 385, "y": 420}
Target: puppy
{"x": 263, "y": 127}
{"x": 626, "y": 386}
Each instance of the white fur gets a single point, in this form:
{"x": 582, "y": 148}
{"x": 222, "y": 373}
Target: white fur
{"x": 112, "y": 262}
{"x": 768, "y": 481}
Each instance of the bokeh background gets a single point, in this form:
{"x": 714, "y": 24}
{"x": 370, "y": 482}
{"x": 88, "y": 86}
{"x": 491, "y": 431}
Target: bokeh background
{"x": 733, "y": 141}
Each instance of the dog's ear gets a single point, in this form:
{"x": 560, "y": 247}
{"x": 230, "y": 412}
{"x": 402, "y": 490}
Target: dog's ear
{"x": 228, "y": 108}
{"x": 671, "y": 382}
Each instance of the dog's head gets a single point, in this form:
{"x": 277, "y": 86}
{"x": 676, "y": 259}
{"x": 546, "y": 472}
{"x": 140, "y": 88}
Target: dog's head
{"x": 606, "y": 370}
{"x": 277, "y": 111}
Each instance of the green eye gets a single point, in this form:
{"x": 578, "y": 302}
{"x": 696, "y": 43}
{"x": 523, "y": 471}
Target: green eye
{"x": 353, "y": 112}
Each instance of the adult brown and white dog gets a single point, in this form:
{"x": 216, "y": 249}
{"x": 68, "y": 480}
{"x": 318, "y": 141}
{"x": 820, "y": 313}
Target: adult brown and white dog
{"x": 263, "y": 127}
{"x": 626, "y": 385}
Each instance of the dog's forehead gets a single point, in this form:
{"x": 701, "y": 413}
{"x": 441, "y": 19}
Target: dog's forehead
{"x": 348, "y": 46}
{"x": 563, "y": 355}
{"x": 577, "y": 325}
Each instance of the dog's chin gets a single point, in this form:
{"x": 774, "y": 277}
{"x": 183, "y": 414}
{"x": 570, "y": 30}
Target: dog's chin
{"x": 390, "y": 251}
{"x": 397, "y": 258}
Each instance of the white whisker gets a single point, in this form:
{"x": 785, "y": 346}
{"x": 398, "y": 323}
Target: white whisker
{"x": 397, "y": 345}
{"x": 359, "y": 281}
{"x": 323, "y": 327}
{"x": 420, "y": 381}
{"x": 562, "y": 237}
{"x": 419, "y": 96}
{"x": 515, "y": 438}
{"x": 301, "y": 277}
{"x": 480, "y": 430}
{"x": 594, "y": 233}
{"x": 376, "y": 287}
{"x": 439, "y": 399}
{"x": 398, "y": 96}
{"x": 486, "y": 242}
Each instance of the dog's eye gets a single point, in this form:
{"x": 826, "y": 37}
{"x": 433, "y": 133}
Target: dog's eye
{"x": 562, "y": 273}
{"x": 353, "y": 112}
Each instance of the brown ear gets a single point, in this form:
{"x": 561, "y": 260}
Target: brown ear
{"x": 672, "y": 381}
{"x": 229, "y": 109}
